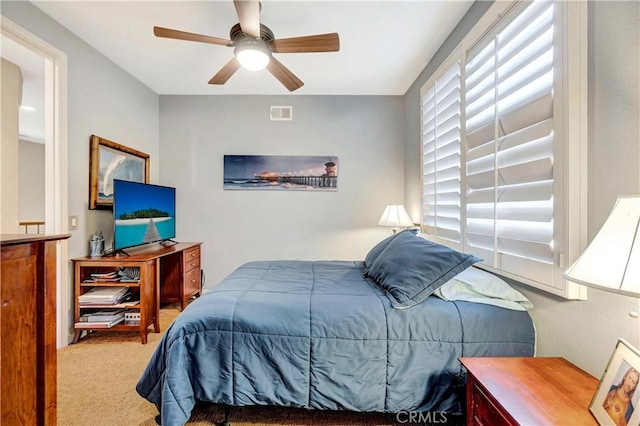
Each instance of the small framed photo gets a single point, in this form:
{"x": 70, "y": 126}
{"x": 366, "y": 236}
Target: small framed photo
{"x": 618, "y": 395}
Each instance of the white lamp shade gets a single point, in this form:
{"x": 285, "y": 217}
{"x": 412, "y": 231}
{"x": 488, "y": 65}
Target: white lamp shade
{"x": 252, "y": 57}
{"x": 612, "y": 261}
{"x": 395, "y": 216}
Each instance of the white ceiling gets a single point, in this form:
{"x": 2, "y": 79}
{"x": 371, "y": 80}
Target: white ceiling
{"x": 383, "y": 44}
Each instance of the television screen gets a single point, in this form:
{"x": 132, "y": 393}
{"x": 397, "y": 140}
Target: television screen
{"x": 143, "y": 213}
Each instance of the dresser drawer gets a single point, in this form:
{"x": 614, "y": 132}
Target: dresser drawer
{"x": 485, "y": 413}
{"x": 192, "y": 259}
{"x": 192, "y": 281}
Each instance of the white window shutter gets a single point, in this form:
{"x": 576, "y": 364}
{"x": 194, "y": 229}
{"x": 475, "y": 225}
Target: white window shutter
{"x": 504, "y": 143}
{"x": 510, "y": 135}
{"x": 441, "y": 147}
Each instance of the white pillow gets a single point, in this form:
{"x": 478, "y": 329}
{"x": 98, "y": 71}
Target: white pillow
{"x": 475, "y": 285}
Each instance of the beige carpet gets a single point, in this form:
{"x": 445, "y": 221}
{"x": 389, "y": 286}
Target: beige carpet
{"x": 97, "y": 379}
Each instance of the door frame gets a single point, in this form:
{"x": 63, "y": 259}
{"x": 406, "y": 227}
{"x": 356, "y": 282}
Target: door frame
{"x": 56, "y": 168}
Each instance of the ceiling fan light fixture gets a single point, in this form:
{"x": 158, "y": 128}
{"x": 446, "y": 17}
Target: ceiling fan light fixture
{"x": 254, "y": 45}
{"x": 253, "y": 56}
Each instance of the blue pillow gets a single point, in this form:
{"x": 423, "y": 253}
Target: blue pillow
{"x": 411, "y": 268}
{"x": 377, "y": 249}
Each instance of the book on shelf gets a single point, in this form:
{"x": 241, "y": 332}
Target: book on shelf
{"x": 91, "y": 317}
{"x": 97, "y": 282}
{"x": 105, "y": 280}
{"x": 104, "y": 295}
{"x": 106, "y": 315}
{"x": 96, "y": 324}
{"x": 105, "y": 275}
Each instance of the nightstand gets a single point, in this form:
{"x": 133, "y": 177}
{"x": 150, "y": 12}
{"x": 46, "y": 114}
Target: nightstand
{"x": 527, "y": 391}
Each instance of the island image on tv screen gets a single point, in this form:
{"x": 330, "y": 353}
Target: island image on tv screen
{"x": 143, "y": 213}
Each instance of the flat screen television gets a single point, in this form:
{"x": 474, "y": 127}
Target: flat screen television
{"x": 143, "y": 213}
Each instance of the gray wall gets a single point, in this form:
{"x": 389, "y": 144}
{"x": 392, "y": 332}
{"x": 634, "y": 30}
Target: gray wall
{"x": 31, "y": 182}
{"x": 11, "y": 90}
{"x": 102, "y": 99}
{"x": 585, "y": 332}
{"x": 365, "y": 133}
{"x": 189, "y": 136}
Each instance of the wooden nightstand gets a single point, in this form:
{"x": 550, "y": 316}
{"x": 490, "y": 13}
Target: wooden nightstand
{"x": 527, "y": 391}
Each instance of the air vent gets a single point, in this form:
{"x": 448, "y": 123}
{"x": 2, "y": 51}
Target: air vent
{"x": 281, "y": 113}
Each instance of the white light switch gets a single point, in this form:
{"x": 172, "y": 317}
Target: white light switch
{"x": 73, "y": 223}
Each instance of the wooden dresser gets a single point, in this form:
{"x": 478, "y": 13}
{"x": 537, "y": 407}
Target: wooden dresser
{"x": 28, "y": 329}
{"x": 528, "y": 391}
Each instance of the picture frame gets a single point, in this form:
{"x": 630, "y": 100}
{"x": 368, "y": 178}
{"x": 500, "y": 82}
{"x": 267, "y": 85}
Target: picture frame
{"x": 110, "y": 160}
{"x": 617, "y": 398}
{"x": 280, "y": 172}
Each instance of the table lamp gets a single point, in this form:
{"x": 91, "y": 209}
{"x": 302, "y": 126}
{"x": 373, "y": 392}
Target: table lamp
{"x": 395, "y": 217}
{"x": 611, "y": 262}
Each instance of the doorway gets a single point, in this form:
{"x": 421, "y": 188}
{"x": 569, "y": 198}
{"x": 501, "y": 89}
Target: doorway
{"x": 55, "y": 158}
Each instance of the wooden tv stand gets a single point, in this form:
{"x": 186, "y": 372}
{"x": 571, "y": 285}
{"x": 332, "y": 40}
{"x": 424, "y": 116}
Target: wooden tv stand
{"x": 168, "y": 273}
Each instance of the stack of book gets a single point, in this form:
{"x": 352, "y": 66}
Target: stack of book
{"x": 104, "y": 296}
{"x": 107, "y": 277}
{"x": 101, "y": 319}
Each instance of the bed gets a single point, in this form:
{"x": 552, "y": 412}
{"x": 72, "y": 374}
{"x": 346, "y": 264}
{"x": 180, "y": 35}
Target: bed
{"x": 327, "y": 335}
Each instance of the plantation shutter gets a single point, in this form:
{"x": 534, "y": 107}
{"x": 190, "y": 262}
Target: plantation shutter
{"x": 441, "y": 147}
{"x": 509, "y": 133}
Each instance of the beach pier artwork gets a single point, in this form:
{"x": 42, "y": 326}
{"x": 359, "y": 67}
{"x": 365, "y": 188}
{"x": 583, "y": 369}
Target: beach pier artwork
{"x": 281, "y": 172}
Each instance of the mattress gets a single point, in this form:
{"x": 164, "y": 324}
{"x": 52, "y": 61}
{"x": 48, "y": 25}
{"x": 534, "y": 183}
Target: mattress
{"x": 319, "y": 335}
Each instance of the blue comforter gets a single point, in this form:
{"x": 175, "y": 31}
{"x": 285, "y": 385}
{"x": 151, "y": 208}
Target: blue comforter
{"x": 319, "y": 335}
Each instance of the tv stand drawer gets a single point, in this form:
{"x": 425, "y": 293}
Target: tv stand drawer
{"x": 192, "y": 259}
{"x": 192, "y": 283}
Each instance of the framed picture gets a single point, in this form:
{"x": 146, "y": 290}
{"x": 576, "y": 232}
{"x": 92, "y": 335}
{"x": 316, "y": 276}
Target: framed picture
{"x": 617, "y": 398}
{"x": 109, "y": 160}
{"x": 281, "y": 172}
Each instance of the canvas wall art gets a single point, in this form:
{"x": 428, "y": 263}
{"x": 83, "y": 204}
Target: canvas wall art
{"x": 110, "y": 160}
{"x": 281, "y": 172}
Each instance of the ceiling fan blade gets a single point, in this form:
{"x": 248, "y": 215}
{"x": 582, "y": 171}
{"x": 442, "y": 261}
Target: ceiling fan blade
{"x": 183, "y": 35}
{"x": 315, "y": 43}
{"x": 282, "y": 73}
{"x": 225, "y": 72}
{"x": 249, "y": 15}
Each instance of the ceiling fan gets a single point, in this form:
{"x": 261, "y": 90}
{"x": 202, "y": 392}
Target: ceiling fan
{"x": 254, "y": 44}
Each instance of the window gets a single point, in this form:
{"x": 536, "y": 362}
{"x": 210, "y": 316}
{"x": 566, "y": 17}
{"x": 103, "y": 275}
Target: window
{"x": 502, "y": 153}
{"x": 441, "y": 164}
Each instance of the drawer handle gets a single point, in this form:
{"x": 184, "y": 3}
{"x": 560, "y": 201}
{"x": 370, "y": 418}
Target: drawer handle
{"x": 193, "y": 264}
{"x": 193, "y": 281}
{"x": 193, "y": 255}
